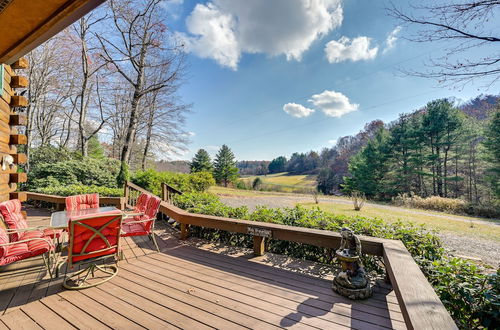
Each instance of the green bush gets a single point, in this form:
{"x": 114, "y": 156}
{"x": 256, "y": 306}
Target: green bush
{"x": 78, "y": 189}
{"x": 88, "y": 171}
{"x": 470, "y": 296}
{"x": 151, "y": 180}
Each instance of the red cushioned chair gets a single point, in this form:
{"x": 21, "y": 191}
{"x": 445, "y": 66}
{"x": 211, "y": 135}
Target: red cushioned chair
{"x": 81, "y": 202}
{"x": 92, "y": 237}
{"x": 18, "y": 225}
{"x": 141, "y": 222}
{"x": 27, "y": 247}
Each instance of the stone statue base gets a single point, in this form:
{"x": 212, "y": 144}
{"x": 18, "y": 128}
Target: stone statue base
{"x": 355, "y": 294}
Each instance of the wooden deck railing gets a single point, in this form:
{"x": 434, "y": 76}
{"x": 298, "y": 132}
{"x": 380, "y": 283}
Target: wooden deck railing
{"x": 420, "y": 305}
{"x": 168, "y": 192}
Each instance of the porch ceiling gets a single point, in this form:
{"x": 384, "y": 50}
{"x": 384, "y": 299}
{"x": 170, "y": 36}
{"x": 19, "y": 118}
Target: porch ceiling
{"x": 26, "y": 24}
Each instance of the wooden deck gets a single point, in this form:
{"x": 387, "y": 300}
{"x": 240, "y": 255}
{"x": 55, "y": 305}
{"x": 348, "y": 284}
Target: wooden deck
{"x": 186, "y": 287}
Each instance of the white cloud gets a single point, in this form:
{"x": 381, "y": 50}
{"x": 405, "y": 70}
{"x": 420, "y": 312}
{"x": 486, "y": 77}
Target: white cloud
{"x": 345, "y": 49}
{"x": 297, "y": 110}
{"x": 191, "y": 133}
{"x": 332, "y": 142}
{"x": 390, "y": 42}
{"x": 333, "y": 104}
{"x": 224, "y": 29}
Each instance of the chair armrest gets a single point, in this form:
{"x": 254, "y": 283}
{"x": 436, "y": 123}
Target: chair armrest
{"x": 28, "y": 240}
{"x": 20, "y": 230}
{"x": 140, "y": 221}
{"x": 133, "y": 214}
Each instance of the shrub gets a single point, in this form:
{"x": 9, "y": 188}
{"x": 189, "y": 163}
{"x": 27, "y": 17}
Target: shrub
{"x": 449, "y": 205}
{"x": 471, "y": 297}
{"x": 78, "y": 189}
{"x": 358, "y": 200}
{"x": 435, "y": 203}
{"x": 88, "y": 171}
{"x": 257, "y": 183}
{"x": 151, "y": 180}
{"x": 418, "y": 240}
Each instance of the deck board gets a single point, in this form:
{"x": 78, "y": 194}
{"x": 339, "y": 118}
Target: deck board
{"x": 186, "y": 287}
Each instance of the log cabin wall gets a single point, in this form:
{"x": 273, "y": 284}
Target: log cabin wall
{"x": 11, "y": 105}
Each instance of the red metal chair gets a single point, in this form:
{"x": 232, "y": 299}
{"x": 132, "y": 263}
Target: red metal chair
{"x": 18, "y": 224}
{"x": 27, "y": 247}
{"x": 92, "y": 237}
{"x": 142, "y": 221}
{"x": 81, "y": 202}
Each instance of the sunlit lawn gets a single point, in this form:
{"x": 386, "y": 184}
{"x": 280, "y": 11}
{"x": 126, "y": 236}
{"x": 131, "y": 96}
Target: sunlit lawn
{"x": 439, "y": 223}
{"x": 240, "y": 192}
{"x": 283, "y": 179}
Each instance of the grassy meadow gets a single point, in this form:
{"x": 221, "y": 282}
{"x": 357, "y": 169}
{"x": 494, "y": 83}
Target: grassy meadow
{"x": 283, "y": 182}
{"x": 435, "y": 220}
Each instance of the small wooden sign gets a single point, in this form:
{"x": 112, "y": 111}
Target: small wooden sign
{"x": 256, "y": 231}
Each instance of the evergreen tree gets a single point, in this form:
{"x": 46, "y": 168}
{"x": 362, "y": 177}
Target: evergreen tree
{"x": 95, "y": 149}
{"x": 369, "y": 168}
{"x": 441, "y": 125}
{"x": 201, "y": 162}
{"x": 278, "y": 165}
{"x": 225, "y": 170}
{"x": 492, "y": 152}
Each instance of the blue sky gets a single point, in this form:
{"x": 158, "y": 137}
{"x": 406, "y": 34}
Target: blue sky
{"x": 333, "y": 66}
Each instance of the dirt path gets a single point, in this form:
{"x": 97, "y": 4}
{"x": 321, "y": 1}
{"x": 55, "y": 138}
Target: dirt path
{"x": 460, "y": 245}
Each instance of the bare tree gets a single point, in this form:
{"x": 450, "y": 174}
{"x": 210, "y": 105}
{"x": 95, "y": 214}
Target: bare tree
{"x": 461, "y": 26}
{"x": 47, "y": 92}
{"x": 162, "y": 120}
{"x": 139, "y": 46}
{"x": 89, "y": 93}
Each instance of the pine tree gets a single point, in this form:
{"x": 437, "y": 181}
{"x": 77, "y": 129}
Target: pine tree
{"x": 277, "y": 165}
{"x": 201, "y": 162}
{"x": 225, "y": 170}
{"x": 492, "y": 146}
{"x": 369, "y": 168}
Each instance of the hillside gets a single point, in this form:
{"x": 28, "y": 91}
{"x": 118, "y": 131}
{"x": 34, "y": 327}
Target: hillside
{"x": 283, "y": 182}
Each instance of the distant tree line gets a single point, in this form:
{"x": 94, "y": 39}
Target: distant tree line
{"x": 253, "y": 167}
{"x": 435, "y": 151}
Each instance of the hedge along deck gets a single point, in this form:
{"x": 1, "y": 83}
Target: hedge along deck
{"x": 10, "y": 119}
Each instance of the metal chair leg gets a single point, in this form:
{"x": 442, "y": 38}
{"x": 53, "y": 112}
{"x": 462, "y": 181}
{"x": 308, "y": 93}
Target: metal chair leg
{"x": 153, "y": 238}
{"x": 46, "y": 261}
{"x": 111, "y": 271}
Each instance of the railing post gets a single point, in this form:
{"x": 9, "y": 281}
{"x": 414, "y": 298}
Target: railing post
{"x": 184, "y": 231}
{"x": 258, "y": 245}
{"x": 164, "y": 195}
{"x": 126, "y": 193}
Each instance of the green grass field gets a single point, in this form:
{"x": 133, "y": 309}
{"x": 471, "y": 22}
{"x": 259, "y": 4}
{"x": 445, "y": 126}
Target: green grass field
{"x": 283, "y": 182}
{"x": 431, "y": 219}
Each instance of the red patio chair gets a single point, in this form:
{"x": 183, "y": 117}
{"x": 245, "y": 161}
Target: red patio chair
{"x": 81, "y": 202}
{"x": 142, "y": 221}
{"x": 28, "y": 247}
{"x": 92, "y": 237}
{"x": 18, "y": 224}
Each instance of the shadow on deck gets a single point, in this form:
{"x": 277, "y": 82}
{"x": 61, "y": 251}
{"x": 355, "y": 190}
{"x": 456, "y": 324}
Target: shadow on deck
{"x": 185, "y": 287}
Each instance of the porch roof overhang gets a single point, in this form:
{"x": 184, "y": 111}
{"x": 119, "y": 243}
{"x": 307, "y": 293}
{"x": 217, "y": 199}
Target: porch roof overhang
{"x": 24, "y": 25}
